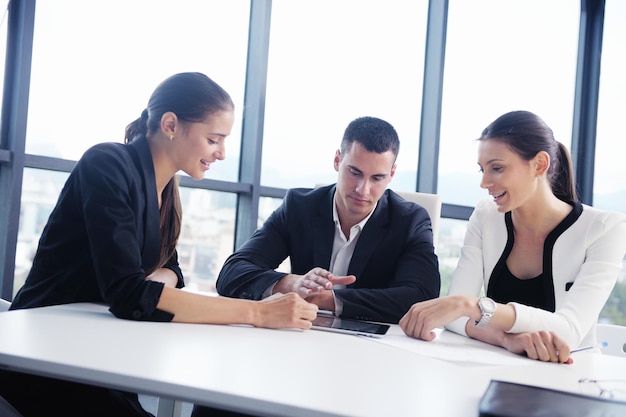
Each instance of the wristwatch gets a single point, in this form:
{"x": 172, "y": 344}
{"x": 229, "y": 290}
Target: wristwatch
{"x": 487, "y": 308}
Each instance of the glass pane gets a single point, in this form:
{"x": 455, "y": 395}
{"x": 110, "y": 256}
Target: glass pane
{"x": 609, "y": 188}
{"x": 207, "y": 237}
{"x": 40, "y": 191}
{"x": 3, "y": 44}
{"x": 503, "y": 56}
{"x": 95, "y": 64}
{"x": 614, "y": 311}
{"x": 451, "y": 235}
{"x": 206, "y": 240}
{"x": 329, "y": 63}
{"x": 266, "y": 206}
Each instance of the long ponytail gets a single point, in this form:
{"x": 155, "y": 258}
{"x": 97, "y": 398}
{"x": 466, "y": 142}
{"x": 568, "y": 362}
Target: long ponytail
{"x": 138, "y": 127}
{"x": 562, "y": 179}
{"x": 170, "y": 221}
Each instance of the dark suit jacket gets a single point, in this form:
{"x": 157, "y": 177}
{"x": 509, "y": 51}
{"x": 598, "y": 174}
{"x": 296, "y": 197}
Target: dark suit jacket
{"x": 394, "y": 260}
{"x": 102, "y": 237}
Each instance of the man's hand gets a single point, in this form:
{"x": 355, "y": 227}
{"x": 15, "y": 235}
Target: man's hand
{"x": 314, "y": 281}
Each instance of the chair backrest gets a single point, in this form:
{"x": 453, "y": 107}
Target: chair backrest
{"x": 432, "y": 204}
{"x": 615, "y": 336}
{"x": 4, "y": 305}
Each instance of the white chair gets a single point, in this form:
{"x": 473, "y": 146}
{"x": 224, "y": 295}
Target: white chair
{"x": 615, "y": 336}
{"x": 432, "y": 204}
{"x": 4, "y": 305}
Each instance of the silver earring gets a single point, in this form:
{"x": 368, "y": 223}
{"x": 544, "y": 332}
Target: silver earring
{"x": 171, "y": 137}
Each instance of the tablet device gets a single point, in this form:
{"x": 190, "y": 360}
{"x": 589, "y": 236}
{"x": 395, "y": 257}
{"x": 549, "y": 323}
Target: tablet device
{"x": 349, "y": 326}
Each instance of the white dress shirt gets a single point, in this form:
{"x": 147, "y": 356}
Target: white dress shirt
{"x": 343, "y": 249}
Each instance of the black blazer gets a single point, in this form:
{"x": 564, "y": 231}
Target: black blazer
{"x": 394, "y": 260}
{"x": 102, "y": 237}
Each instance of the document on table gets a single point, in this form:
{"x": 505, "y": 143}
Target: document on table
{"x": 455, "y": 348}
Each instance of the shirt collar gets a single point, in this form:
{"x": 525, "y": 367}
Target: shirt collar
{"x": 360, "y": 224}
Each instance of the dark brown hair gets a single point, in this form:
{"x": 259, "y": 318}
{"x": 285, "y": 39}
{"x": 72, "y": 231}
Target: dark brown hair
{"x": 527, "y": 134}
{"x": 193, "y": 97}
{"x": 374, "y": 134}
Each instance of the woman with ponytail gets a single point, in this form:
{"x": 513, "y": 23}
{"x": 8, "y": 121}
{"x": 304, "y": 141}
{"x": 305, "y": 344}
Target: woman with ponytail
{"x": 545, "y": 262}
{"x": 112, "y": 239}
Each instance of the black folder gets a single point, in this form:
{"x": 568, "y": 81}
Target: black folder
{"x": 508, "y": 399}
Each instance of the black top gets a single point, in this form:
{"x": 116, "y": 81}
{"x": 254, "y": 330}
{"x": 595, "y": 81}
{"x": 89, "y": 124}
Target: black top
{"x": 501, "y": 278}
{"x": 102, "y": 237}
{"x": 523, "y": 291}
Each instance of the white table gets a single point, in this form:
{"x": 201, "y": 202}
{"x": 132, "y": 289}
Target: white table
{"x": 267, "y": 372}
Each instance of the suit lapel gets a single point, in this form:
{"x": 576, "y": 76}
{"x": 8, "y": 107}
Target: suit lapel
{"x": 371, "y": 236}
{"x": 142, "y": 157}
{"x": 323, "y": 231}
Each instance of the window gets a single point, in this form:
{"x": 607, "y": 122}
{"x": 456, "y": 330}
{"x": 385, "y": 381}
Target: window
{"x": 93, "y": 75}
{"x": 609, "y": 188}
{"x": 206, "y": 239}
{"x": 451, "y": 236}
{"x": 207, "y": 236}
{"x": 503, "y": 56}
{"x": 329, "y": 63}
{"x": 266, "y": 206}
{"x": 4, "y": 16}
{"x": 40, "y": 191}
{"x": 94, "y": 67}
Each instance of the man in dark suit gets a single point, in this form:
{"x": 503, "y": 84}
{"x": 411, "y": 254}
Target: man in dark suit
{"x": 355, "y": 248}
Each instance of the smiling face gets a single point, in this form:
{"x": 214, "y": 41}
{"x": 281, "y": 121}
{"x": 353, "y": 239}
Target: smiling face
{"x": 200, "y": 144}
{"x": 510, "y": 180}
{"x": 362, "y": 180}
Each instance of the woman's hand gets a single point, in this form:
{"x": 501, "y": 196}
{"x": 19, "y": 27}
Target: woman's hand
{"x": 542, "y": 345}
{"x": 425, "y": 316}
{"x": 285, "y": 311}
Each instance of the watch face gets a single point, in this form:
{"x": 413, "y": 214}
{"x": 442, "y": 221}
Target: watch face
{"x": 487, "y": 305}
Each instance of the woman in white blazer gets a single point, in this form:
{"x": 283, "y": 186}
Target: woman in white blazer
{"x": 546, "y": 262}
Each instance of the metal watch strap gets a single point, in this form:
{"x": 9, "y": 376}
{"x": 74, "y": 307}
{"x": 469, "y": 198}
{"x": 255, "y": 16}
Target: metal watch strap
{"x": 484, "y": 320}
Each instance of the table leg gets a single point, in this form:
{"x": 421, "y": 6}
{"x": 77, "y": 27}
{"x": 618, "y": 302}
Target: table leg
{"x": 169, "y": 407}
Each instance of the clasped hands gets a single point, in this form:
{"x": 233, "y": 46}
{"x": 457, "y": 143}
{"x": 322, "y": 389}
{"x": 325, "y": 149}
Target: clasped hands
{"x": 314, "y": 286}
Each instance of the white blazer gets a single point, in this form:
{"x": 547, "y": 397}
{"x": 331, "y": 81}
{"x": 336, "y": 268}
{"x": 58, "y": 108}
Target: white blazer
{"x": 589, "y": 253}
